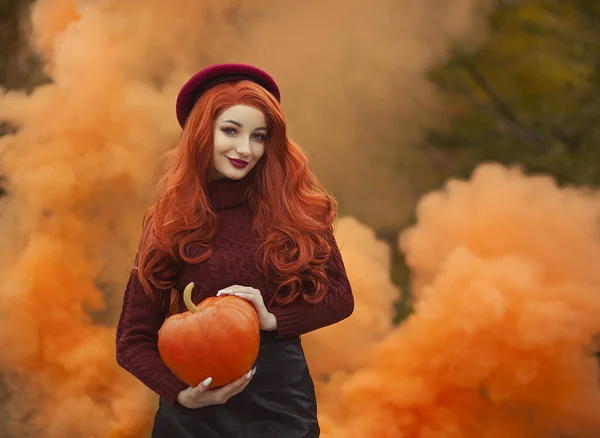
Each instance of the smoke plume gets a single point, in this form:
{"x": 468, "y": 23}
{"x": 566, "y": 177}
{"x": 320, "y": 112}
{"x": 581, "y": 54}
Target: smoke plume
{"x": 82, "y": 167}
{"x": 501, "y": 343}
{"x": 337, "y": 351}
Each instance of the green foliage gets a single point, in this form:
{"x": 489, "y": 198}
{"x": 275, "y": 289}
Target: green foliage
{"x": 530, "y": 94}
{"x": 20, "y": 67}
{"x": 401, "y": 277}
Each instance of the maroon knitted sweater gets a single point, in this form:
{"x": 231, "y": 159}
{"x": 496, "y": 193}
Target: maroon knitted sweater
{"x": 232, "y": 262}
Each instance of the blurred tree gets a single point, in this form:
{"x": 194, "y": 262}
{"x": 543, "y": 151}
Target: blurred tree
{"x": 530, "y": 94}
{"x": 20, "y": 67}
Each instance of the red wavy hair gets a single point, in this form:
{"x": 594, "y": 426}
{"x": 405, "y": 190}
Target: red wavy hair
{"x": 294, "y": 233}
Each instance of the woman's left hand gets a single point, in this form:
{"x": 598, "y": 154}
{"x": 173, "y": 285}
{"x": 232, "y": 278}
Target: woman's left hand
{"x": 267, "y": 320}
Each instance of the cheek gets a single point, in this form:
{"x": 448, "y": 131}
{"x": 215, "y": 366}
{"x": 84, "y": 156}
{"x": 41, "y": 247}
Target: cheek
{"x": 220, "y": 143}
{"x": 259, "y": 151}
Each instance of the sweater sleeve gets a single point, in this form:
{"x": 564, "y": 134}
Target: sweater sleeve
{"x": 300, "y": 317}
{"x": 137, "y": 341}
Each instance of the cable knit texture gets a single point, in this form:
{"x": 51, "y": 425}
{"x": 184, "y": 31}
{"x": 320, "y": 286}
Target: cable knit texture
{"x": 232, "y": 262}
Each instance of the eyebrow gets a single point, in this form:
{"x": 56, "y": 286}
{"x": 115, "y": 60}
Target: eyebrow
{"x": 238, "y": 124}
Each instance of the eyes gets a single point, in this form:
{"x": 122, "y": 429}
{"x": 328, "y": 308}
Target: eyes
{"x": 232, "y": 132}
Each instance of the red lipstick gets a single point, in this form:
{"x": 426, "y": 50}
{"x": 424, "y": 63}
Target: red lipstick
{"x": 238, "y": 164}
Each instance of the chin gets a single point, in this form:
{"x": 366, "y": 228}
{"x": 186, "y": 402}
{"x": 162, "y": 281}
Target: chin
{"x": 236, "y": 174}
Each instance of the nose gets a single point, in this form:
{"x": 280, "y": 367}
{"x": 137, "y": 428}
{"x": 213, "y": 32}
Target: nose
{"x": 242, "y": 148}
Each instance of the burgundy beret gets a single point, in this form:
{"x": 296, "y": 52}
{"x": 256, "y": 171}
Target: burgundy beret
{"x": 216, "y": 74}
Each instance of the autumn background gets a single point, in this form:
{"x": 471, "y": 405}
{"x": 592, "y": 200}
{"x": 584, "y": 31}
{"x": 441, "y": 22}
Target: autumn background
{"x": 461, "y": 138}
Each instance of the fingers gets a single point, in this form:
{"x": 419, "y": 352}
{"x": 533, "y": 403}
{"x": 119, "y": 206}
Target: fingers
{"x": 247, "y": 293}
{"x": 224, "y": 393}
{"x": 193, "y": 397}
{"x": 249, "y": 297}
{"x": 254, "y": 297}
{"x": 200, "y": 395}
{"x": 232, "y": 290}
{"x": 201, "y": 387}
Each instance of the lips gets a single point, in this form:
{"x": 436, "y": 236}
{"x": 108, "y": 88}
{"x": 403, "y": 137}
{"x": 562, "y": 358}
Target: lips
{"x": 238, "y": 164}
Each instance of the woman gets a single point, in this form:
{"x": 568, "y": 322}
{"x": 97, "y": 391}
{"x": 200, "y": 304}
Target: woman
{"x": 239, "y": 212}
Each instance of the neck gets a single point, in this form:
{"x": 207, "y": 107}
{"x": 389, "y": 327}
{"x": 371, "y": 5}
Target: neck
{"x": 227, "y": 193}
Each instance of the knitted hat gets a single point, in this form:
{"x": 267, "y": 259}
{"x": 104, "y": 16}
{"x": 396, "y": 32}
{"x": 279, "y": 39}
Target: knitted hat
{"x": 216, "y": 74}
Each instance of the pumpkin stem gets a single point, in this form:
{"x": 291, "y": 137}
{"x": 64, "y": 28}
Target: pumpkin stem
{"x": 187, "y": 297}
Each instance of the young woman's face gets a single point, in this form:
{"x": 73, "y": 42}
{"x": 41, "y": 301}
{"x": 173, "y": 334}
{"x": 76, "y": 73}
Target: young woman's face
{"x": 239, "y": 133}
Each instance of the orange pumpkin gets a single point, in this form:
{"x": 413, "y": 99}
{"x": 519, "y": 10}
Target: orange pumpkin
{"x": 219, "y": 338}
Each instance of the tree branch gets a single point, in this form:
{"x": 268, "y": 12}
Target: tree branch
{"x": 506, "y": 115}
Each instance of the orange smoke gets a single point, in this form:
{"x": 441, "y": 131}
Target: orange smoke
{"x": 505, "y": 266}
{"x": 501, "y": 341}
{"x": 337, "y": 351}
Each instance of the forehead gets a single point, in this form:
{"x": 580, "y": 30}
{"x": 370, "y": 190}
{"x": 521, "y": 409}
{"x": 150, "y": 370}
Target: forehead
{"x": 243, "y": 114}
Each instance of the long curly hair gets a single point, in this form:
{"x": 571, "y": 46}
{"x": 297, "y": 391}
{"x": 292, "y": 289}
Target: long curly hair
{"x": 293, "y": 213}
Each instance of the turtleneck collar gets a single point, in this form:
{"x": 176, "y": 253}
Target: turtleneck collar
{"x": 225, "y": 193}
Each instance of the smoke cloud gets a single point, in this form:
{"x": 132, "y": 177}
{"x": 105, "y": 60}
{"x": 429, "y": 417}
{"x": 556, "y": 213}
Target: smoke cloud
{"x": 502, "y": 339}
{"x": 82, "y": 167}
{"x": 337, "y": 351}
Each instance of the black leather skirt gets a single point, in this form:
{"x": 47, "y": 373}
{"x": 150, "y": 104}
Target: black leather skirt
{"x": 279, "y": 402}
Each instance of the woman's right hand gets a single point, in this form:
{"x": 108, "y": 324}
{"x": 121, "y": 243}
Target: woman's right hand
{"x": 200, "y": 396}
